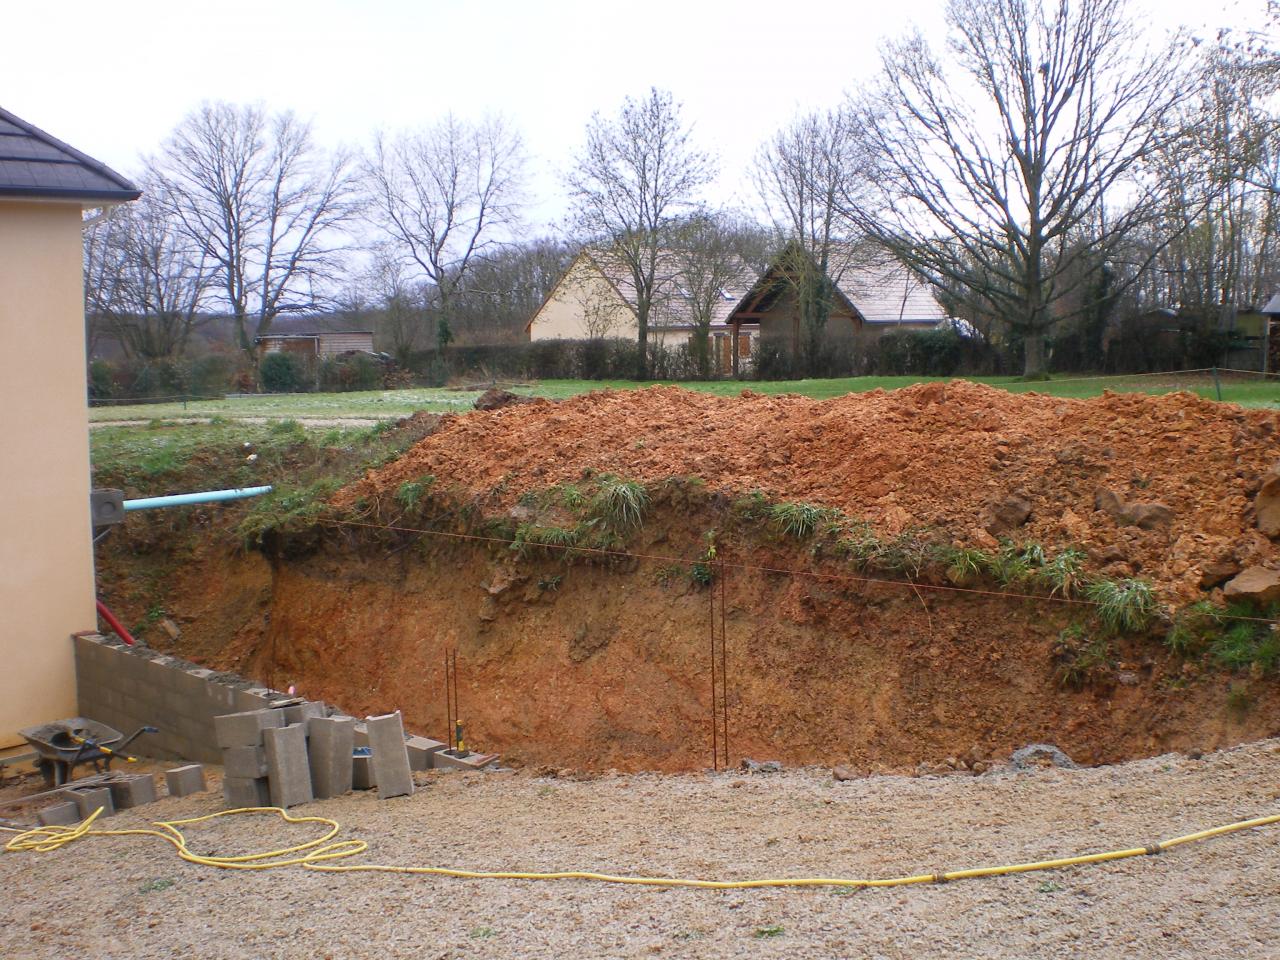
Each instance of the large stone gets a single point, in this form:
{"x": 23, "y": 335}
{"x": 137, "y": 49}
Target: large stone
{"x": 1266, "y": 504}
{"x": 1040, "y": 755}
{"x": 1006, "y": 514}
{"x": 1147, "y": 516}
{"x": 1217, "y": 573}
{"x": 1258, "y": 584}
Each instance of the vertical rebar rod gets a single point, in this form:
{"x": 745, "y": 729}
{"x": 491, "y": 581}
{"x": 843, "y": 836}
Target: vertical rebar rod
{"x": 457, "y": 708}
{"x": 724, "y": 662}
{"x": 448, "y": 700}
{"x": 715, "y": 734}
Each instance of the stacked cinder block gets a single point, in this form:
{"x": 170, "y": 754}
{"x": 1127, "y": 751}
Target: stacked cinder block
{"x": 130, "y": 687}
{"x": 240, "y": 735}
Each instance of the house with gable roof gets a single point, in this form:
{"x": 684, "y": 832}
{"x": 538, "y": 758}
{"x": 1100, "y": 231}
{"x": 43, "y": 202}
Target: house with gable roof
{"x": 46, "y": 553}
{"x": 870, "y": 292}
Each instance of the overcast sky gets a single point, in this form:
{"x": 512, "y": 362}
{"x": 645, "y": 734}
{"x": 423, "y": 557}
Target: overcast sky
{"x": 114, "y": 78}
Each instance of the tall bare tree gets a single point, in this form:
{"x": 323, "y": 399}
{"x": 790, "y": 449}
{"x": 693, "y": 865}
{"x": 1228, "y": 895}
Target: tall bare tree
{"x": 1219, "y": 210}
{"x": 636, "y": 176}
{"x": 145, "y": 281}
{"x": 447, "y": 196}
{"x": 264, "y": 205}
{"x": 805, "y": 175}
{"x": 1026, "y": 145}
{"x": 707, "y": 249}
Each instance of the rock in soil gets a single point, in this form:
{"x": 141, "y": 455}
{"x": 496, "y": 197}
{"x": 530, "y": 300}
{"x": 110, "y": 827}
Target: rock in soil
{"x": 1258, "y": 584}
{"x": 1041, "y": 755}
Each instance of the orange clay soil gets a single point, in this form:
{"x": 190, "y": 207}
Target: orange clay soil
{"x": 932, "y": 455}
{"x": 597, "y": 664}
{"x": 605, "y": 665}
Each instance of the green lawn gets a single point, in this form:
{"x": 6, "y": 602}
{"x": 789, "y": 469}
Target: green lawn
{"x": 379, "y": 404}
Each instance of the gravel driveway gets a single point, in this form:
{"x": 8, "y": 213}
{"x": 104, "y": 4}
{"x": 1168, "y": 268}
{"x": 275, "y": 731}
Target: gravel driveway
{"x": 131, "y": 898}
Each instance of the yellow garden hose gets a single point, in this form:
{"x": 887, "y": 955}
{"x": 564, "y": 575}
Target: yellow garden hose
{"x": 316, "y": 854}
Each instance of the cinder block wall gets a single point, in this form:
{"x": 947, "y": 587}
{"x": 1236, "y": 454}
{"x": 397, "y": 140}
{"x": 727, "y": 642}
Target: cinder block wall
{"x": 129, "y": 687}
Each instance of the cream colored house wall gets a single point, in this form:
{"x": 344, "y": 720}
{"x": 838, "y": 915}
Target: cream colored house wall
{"x": 584, "y": 304}
{"x": 46, "y": 555}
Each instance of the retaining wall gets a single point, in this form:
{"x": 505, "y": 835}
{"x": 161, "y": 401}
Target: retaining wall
{"x": 129, "y": 687}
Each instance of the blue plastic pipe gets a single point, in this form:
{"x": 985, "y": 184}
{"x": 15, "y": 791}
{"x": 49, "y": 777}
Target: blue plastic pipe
{"x": 182, "y": 499}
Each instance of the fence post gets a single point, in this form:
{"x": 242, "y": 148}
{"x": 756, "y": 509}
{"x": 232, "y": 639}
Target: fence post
{"x": 1217, "y": 384}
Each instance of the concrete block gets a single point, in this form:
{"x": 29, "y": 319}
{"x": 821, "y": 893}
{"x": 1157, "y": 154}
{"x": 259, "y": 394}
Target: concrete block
{"x": 362, "y": 773}
{"x": 253, "y": 698}
{"x": 446, "y": 760}
{"x": 303, "y": 713}
{"x": 62, "y": 814}
{"x": 288, "y": 771}
{"x": 245, "y": 729}
{"x": 89, "y": 799}
{"x": 245, "y": 792}
{"x": 245, "y": 762}
{"x": 421, "y": 750}
{"x": 132, "y": 790}
{"x": 390, "y": 758}
{"x": 329, "y": 752}
{"x": 186, "y": 780}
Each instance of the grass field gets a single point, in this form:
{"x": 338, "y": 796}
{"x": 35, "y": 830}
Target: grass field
{"x": 1250, "y": 391}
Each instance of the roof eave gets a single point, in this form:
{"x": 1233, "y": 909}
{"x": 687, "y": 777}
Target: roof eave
{"x": 92, "y": 196}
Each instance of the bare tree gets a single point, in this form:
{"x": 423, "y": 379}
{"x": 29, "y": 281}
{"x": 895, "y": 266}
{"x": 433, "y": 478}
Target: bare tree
{"x": 263, "y": 204}
{"x": 446, "y": 196}
{"x": 1024, "y": 147}
{"x": 707, "y": 252}
{"x": 634, "y": 178}
{"x": 145, "y": 281}
{"x": 1219, "y": 211}
{"x": 501, "y": 292}
{"x": 805, "y": 175}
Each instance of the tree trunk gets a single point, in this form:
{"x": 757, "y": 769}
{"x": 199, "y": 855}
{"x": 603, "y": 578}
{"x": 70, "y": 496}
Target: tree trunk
{"x": 642, "y": 364}
{"x": 1033, "y": 366}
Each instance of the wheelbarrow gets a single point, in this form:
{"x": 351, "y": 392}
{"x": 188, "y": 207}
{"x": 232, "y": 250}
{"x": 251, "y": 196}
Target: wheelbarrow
{"x": 63, "y": 744}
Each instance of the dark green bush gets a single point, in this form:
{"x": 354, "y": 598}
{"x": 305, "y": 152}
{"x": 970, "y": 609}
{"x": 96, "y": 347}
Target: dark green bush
{"x": 350, "y": 371}
{"x": 281, "y": 373}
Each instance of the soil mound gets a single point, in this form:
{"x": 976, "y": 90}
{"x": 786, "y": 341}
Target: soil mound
{"x": 1159, "y": 487}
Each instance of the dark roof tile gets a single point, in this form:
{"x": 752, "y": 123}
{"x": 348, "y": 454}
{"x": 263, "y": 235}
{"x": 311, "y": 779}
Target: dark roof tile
{"x": 36, "y": 164}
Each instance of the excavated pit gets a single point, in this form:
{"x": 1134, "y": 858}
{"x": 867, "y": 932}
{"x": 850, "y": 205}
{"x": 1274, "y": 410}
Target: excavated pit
{"x": 602, "y": 662}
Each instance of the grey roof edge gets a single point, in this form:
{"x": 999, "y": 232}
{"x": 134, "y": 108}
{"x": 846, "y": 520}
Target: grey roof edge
{"x": 126, "y": 191}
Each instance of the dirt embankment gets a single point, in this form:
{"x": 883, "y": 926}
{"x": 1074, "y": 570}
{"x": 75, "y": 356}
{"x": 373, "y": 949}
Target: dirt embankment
{"x": 944, "y": 456}
{"x": 600, "y": 665}
{"x": 605, "y": 664}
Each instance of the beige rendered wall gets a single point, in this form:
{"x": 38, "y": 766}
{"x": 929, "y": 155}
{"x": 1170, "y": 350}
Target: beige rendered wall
{"x": 583, "y": 305}
{"x": 46, "y": 555}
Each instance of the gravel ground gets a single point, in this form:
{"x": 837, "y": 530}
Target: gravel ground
{"x": 132, "y": 898}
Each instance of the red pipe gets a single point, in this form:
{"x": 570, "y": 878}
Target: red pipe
{"x": 115, "y": 624}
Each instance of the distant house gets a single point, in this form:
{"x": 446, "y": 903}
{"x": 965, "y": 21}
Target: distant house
{"x": 1271, "y": 309}
{"x": 596, "y": 299}
{"x": 47, "y": 587}
{"x": 870, "y": 293}
{"x": 311, "y": 348}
